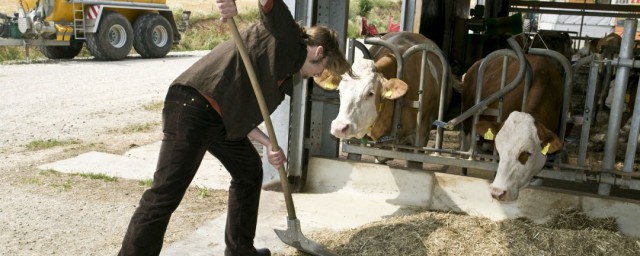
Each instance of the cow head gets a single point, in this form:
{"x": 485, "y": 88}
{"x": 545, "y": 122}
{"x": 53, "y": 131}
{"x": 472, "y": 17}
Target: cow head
{"x": 554, "y": 40}
{"x": 360, "y": 98}
{"x": 523, "y": 145}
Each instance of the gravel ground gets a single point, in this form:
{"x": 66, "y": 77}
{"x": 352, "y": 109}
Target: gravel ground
{"x": 90, "y": 106}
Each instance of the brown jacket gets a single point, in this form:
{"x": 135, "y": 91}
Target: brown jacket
{"x": 277, "y": 51}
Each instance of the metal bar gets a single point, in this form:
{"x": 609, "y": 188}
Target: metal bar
{"x": 527, "y": 85}
{"x": 33, "y": 42}
{"x": 410, "y": 156}
{"x": 407, "y": 15}
{"x": 359, "y": 45}
{"x": 482, "y": 105}
{"x": 503, "y": 82}
{"x": 630, "y": 63}
{"x": 128, "y": 5}
{"x": 632, "y": 145}
{"x": 351, "y": 50}
{"x": 602, "y": 178}
{"x": 576, "y": 13}
{"x": 588, "y": 113}
{"x": 568, "y": 83}
{"x": 298, "y": 118}
{"x": 444, "y": 81}
{"x": 576, "y": 6}
{"x": 393, "y": 48}
{"x": 615, "y": 116}
{"x": 419, "y": 124}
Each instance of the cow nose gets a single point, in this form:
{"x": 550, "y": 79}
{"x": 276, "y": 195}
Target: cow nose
{"x": 339, "y": 129}
{"x": 499, "y": 194}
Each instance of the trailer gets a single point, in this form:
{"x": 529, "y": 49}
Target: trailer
{"x": 109, "y": 29}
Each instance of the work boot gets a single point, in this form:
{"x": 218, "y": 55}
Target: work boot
{"x": 263, "y": 252}
{"x": 250, "y": 252}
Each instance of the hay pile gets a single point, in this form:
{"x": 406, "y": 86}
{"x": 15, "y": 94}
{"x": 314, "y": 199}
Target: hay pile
{"x": 435, "y": 233}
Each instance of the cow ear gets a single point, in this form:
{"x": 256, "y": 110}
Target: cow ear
{"x": 549, "y": 141}
{"x": 393, "y": 88}
{"x": 327, "y": 80}
{"x": 488, "y": 130}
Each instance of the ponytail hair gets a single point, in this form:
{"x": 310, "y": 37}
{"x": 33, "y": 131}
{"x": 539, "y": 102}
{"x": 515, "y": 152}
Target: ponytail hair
{"x": 320, "y": 35}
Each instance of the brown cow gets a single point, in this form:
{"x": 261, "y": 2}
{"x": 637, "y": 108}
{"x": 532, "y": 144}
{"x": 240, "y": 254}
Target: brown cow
{"x": 598, "y": 45}
{"x": 366, "y": 101}
{"x": 532, "y": 134}
{"x": 611, "y": 40}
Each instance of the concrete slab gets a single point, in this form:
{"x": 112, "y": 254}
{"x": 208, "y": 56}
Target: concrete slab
{"x": 139, "y": 164}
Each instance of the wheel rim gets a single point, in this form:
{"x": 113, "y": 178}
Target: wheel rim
{"x": 160, "y": 36}
{"x": 117, "y": 36}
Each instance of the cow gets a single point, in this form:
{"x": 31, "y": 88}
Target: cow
{"x": 612, "y": 40}
{"x": 524, "y": 140}
{"x": 559, "y": 41}
{"x": 598, "y": 46}
{"x": 367, "y": 100}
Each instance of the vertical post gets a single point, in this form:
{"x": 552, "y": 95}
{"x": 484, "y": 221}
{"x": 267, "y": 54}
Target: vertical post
{"x": 615, "y": 117}
{"x": 26, "y": 51}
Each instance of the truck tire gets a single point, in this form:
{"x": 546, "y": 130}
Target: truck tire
{"x": 153, "y": 36}
{"x": 113, "y": 39}
{"x": 62, "y": 52}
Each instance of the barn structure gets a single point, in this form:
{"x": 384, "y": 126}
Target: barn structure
{"x": 602, "y": 177}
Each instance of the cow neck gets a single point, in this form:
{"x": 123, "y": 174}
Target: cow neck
{"x": 376, "y": 130}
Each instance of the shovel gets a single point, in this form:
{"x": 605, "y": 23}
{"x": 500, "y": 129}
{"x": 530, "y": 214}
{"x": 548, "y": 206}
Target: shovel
{"x": 293, "y": 235}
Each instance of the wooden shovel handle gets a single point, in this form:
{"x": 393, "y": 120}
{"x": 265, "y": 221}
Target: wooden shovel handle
{"x": 265, "y": 113}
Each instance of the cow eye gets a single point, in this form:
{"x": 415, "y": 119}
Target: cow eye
{"x": 370, "y": 94}
{"x": 523, "y": 157}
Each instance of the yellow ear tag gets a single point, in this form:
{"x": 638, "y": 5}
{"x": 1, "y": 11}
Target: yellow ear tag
{"x": 388, "y": 94}
{"x": 545, "y": 150}
{"x": 329, "y": 85}
{"x": 488, "y": 135}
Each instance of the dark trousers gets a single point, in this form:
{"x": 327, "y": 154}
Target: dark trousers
{"x": 192, "y": 127}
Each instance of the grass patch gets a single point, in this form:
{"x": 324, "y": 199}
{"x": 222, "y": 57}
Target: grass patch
{"x": 50, "y": 143}
{"x": 203, "y": 192}
{"x": 153, "y": 106}
{"x": 18, "y": 54}
{"x": 98, "y": 176}
{"x": 206, "y": 31}
{"x": 11, "y": 53}
{"x": 66, "y": 186}
{"x": 135, "y": 128}
{"x": 145, "y": 183}
{"x": 31, "y": 181}
{"x": 49, "y": 172}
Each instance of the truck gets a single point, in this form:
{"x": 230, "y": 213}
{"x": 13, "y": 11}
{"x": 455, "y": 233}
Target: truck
{"x": 109, "y": 29}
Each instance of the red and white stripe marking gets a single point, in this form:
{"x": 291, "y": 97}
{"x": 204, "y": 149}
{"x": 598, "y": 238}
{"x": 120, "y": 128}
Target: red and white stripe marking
{"x": 93, "y": 11}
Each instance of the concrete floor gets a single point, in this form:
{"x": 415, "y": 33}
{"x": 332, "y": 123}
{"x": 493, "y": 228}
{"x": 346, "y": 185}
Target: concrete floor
{"x": 343, "y": 194}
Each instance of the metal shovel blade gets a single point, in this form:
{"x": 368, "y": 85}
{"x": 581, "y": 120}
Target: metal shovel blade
{"x": 293, "y": 236}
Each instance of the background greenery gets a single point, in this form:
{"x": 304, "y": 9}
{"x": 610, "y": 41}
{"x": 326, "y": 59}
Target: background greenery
{"x": 206, "y": 31}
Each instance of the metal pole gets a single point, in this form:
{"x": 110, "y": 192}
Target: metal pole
{"x": 615, "y": 117}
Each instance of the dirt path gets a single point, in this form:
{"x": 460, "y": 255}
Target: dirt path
{"x": 94, "y": 106}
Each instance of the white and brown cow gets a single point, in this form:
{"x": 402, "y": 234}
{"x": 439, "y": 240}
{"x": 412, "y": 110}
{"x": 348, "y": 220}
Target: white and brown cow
{"x": 598, "y": 45}
{"x": 367, "y": 100}
{"x": 524, "y": 139}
